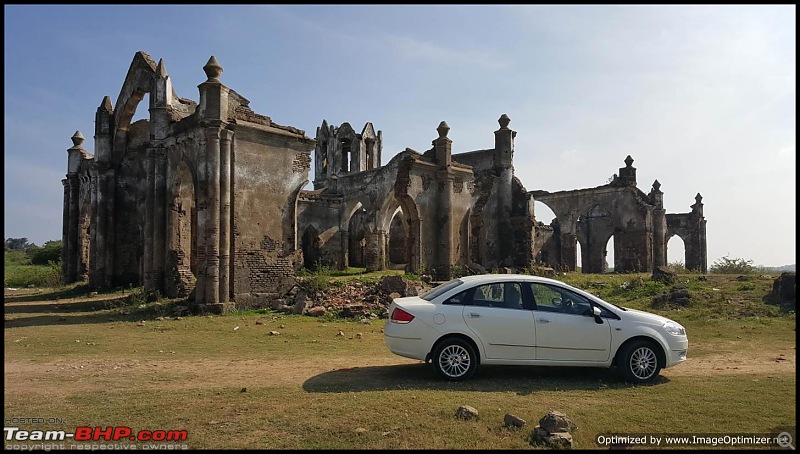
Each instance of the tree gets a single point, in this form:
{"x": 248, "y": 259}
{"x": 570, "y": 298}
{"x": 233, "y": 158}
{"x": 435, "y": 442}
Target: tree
{"x": 17, "y": 244}
{"x": 727, "y": 265}
{"x": 50, "y": 252}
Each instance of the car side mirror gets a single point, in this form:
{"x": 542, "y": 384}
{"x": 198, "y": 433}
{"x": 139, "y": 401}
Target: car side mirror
{"x": 596, "y": 312}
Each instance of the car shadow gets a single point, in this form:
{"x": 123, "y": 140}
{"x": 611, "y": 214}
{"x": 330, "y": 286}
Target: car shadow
{"x": 522, "y": 380}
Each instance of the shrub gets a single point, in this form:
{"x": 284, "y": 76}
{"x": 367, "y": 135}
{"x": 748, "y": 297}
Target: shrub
{"x": 727, "y": 265}
{"x": 50, "y": 252}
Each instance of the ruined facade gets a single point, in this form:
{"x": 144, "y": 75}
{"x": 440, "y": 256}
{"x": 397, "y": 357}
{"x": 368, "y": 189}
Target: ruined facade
{"x": 206, "y": 199}
{"x": 198, "y": 199}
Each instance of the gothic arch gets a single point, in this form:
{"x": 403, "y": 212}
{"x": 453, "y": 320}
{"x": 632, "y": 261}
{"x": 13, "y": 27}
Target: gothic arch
{"x": 138, "y": 82}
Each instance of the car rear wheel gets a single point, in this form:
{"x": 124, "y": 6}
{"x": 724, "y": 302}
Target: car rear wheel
{"x": 640, "y": 362}
{"x": 455, "y": 359}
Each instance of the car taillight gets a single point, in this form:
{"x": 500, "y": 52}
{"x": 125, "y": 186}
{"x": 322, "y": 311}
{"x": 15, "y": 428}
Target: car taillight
{"x": 400, "y": 316}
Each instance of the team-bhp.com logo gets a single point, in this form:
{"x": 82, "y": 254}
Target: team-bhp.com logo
{"x": 86, "y": 433}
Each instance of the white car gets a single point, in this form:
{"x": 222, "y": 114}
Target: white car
{"x": 514, "y": 319}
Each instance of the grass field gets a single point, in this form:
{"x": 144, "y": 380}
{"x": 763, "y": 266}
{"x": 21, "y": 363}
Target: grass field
{"x": 117, "y": 360}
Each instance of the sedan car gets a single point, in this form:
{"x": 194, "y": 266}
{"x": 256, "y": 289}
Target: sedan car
{"x": 513, "y": 319}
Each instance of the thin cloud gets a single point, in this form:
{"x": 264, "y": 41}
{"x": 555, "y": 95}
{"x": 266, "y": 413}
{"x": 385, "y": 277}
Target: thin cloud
{"x": 413, "y": 49}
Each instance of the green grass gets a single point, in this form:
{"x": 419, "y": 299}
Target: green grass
{"x": 231, "y": 385}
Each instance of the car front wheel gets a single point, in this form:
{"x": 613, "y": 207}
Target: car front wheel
{"x": 639, "y": 362}
{"x": 455, "y": 359}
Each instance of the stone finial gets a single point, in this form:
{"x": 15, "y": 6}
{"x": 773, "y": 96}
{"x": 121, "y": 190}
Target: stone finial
{"x": 443, "y": 129}
{"x": 698, "y": 198}
{"x": 106, "y": 104}
{"x": 656, "y": 185}
{"x": 504, "y": 121}
{"x": 161, "y": 70}
{"x": 77, "y": 139}
{"x": 213, "y": 69}
{"x": 628, "y": 161}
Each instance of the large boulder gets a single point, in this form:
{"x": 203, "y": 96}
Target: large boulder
{"x": 555, "y": 421}
{"x": 664, "y": 275}
{"x": 784, "y": 290}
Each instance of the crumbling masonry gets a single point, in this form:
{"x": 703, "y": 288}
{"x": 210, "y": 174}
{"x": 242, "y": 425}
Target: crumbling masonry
{"x": 206, "y": 199}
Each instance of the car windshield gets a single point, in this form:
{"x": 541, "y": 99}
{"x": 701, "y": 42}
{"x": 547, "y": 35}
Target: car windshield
{"x": 441, "y": 288}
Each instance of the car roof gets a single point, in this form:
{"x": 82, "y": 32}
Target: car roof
{"x": 482, "y": 278}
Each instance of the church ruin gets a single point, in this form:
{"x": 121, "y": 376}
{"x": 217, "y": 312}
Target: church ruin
{"x": 206, "y": 199}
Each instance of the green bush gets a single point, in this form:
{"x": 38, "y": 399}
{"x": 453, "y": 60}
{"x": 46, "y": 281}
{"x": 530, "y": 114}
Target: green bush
{"x": 727, "y": 265}
{"x": 50, "y": 252}
{"x": 33, "y": 275}
{"x": 317, "y": 281}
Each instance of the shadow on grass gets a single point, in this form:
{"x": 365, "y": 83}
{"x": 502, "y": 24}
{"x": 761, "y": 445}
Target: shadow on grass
{"x": 51, "y": 295}
{"x": 82, "y": 305}
{"x": 126, "y": 308}
{"x": 522, "y": 380}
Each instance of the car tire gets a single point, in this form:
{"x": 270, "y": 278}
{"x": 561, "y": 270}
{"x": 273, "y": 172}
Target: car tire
{"x": 639, "y": 362}
{"x": 455, "y": 359}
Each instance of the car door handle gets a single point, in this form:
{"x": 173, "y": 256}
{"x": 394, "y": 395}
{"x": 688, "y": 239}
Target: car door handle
{"x": 474, "y": 314}
{"x": 544, "y": 320}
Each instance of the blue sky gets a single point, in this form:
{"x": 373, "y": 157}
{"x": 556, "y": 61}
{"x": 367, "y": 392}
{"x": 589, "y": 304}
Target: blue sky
{"x": 702, "y": 97}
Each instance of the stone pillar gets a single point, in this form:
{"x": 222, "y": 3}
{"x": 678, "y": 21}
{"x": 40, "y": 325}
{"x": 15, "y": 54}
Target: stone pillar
{"x": 149, "y": 218}
{"x": 569, "y": 253}
{"x": 443, "y": 151}
{"x": 627, "y": 174}
{"x": 344, "y": 249}
{"x": 65, "y": 232}
{"x": 159, "y": 219}
{"x": 75, "y": 154}
{"x": 659, "y": 226}
{"x": 110, "y": 185}
{"x": 375, "y": 253}
{"x": 212, "y": 227}
{"x": 226, "y": 139}
{"x": 503, "y": 165}
{"x": 93, "y": 252}
{"x": 413, "y": 246}
{"x": 202, "y": 221}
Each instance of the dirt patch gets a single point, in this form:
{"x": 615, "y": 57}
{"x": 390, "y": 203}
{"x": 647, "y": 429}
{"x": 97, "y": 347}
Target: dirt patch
{"x": 765, "y": 363}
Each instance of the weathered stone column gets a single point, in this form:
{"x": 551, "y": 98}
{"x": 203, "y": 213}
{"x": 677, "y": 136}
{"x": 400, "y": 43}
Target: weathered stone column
{"x": 443, "y": 152}
{"x": 659, "y": 226}
{"x": 413, "y": 246}
{"x": 503, "y": 165}
{"x": 212, "y": 227}
{"x": 569, "y": 253}
{"x": 344, "y": 247}
{"x": 159, "y": 219}
{"x": 149, "y": 224}
{"x": 226, "y": 139}
{"x": 110, "y": 185}
{"x": 65, "y": 232}
{"x": 101, "y": 267}
{"x": 202, "y": 221}
{"x": 74, "y": 217}
{"x": 93, "y": 252}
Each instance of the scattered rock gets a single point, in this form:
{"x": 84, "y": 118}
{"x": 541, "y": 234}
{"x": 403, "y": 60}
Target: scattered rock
{"x": 555, "y": 421}
{"x": 259, "y": 322}
{"x": 664, "y": 275}
{"x": 513, "y": 421}
{"x": 244, "y": 390}
{"x": 274, "y": 333}
{"x": 360, "y": 430}
{"x": 359, "y": 335}
{"x": 316, "y": 311}
{"x": 466, "y": 412}
{"x": 341, "y": 333}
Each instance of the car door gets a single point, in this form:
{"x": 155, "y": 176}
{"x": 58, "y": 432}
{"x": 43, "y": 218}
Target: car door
{"x": 565, "y": 328}
{"x": 497, "y": 316}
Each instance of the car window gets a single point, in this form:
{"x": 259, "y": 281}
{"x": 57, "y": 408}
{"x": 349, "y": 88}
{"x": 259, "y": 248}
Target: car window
{"x": 550, "y": 298}
{"x": 506, "y": 295}
{"x": 459, "y": 298}
{"x": 441, "y": 289}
